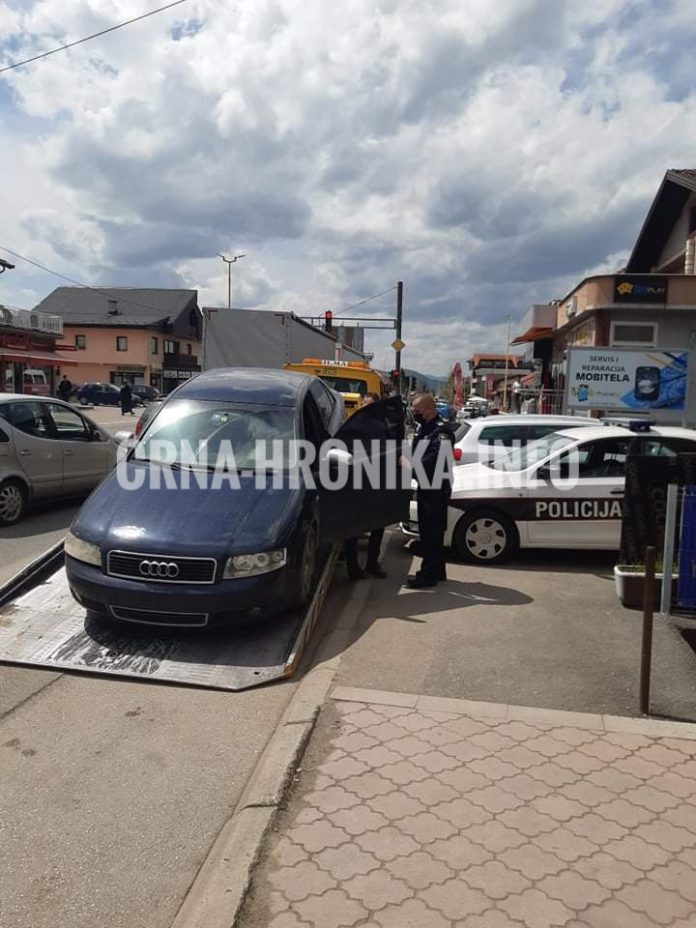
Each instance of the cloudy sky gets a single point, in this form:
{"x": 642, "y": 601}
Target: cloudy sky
{"x": 489, "y": 153}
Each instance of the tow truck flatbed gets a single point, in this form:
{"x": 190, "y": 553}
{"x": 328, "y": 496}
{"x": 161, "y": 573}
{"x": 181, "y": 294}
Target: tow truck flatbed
{"x": 41, "y": 625}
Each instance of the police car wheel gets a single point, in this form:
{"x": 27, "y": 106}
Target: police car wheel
{"x": 485, "y": 536}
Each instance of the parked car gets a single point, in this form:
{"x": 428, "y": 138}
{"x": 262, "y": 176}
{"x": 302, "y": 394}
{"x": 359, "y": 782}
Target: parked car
{"x": 146, "y": 393}
{"x": 521, "y": 501}
{"x": 488, "y": 439}
{"x": 174, "y": 549}
{"x": 102, "y": 394}
{"x": 47, "y": 449}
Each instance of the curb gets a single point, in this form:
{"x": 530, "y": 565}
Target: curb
{"x": 217, "y": 894}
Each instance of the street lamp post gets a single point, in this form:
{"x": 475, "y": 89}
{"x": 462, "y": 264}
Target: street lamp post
{"x": 507, "y": 364}
{"x": 229, "y": 262}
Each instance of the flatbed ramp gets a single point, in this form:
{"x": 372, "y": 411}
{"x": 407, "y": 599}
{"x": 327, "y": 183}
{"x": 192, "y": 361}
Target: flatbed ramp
{"x": 44, "y": 627}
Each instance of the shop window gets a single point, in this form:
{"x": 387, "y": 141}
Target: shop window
{"x": 633, "y": 334}
{"x": 121, "y": 343}
{"x": 154, "y": 345}
{"x": 80, "y": 342}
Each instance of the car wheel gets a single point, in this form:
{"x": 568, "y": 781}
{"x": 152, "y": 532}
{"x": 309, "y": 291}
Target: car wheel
{"x": 485, "y": 537}
{"x": 83, "y": 401}
{"x": 307, "y": 569}
{"x": 13, "y": 500}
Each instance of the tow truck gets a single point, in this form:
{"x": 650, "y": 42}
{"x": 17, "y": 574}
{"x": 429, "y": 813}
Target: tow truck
{"x": 352, "y": 379}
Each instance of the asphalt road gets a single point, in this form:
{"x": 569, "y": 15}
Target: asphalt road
{"x": 112, "y": 791}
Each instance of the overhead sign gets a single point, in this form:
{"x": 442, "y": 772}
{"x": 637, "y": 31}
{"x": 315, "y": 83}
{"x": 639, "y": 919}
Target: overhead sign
{"x": 398, "y": 345}
{"x": 645, "y": 288}
{"x": 626, "y": 379}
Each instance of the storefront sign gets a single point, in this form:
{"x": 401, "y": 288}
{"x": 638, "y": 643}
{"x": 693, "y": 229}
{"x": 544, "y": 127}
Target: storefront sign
{"x": 640, "y": 289}
{"x": 686, "y": 585}
{"x": 626, "y": 379}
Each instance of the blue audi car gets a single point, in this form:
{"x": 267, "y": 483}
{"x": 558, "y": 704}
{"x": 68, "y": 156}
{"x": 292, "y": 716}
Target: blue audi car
{"x": 173, "y": 538}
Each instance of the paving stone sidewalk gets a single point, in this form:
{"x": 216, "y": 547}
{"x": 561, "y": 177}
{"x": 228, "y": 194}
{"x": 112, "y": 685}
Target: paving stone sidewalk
{"x": 484, "y": 816}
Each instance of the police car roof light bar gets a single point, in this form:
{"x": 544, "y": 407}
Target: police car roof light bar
{"x": 635, "y": 425}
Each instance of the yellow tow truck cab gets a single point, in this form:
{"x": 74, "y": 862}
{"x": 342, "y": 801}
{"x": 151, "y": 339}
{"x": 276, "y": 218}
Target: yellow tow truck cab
{"x": 352, "y": 379}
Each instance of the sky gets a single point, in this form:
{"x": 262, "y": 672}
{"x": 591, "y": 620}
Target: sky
{"x": 489, "y": 153}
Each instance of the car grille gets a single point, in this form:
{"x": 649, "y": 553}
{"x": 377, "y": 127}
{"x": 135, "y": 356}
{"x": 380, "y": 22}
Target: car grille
{"x": 159, "y": 568}
{"x": 146, "y": 617}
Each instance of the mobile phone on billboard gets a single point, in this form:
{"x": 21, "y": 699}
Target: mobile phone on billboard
{"x": 647, "y": 385}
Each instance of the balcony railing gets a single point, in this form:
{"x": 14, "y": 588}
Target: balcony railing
{"x": 182, "y": 361}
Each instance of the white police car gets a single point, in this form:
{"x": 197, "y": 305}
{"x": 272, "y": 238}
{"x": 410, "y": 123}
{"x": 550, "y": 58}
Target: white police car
{"x": 562, "y": 491}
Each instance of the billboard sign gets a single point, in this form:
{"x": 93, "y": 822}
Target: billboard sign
{"x": 626, "y": 379}
{"x": 645, "y": 288}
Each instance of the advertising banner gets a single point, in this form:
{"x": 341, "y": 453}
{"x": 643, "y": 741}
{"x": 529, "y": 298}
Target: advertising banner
{"x": 626, "y": 379}
{"x": 640, "y": 288}
{"x": 686, "y": 585}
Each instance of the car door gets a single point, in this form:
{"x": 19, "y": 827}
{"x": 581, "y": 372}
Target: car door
{"x": 575, "y": 500}
{"x": 86, "y": 458}
{"x": 376, "y": 489}
{"x": 39, "y": 453}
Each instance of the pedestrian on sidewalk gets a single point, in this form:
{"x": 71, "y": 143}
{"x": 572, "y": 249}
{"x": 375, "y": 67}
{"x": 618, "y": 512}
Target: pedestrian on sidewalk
{"x": 433, "y": 439}
{"x": 64, "y": 389}
{"x": 126, "y": 395}
{"x": 374, "y": 544}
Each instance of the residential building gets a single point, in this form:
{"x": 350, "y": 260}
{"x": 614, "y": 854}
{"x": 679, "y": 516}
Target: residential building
{"x": 29, "y": 362}
{"x": 488, "y": 373}
{"x": 136, "y": 335}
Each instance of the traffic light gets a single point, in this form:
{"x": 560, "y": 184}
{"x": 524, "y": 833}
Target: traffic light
{"x": 395, "y": 377}
{"x": 328, "y": 319}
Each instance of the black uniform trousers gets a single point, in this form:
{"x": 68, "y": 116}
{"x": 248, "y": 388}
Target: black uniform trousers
{"x": 432, "y": 522}
{"x": 374, "y": 545}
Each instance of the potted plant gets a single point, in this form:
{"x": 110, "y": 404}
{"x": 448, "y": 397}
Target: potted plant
{"x": 629, "y": 581}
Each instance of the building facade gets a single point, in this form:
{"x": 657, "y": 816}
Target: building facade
{"x": 138, "y": 336}
{"x": 29, "y": 361}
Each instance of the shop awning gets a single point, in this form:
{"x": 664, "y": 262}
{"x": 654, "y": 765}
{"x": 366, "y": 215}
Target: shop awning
{"x": 533, "y": 335}
{"x": 49, "y": 359}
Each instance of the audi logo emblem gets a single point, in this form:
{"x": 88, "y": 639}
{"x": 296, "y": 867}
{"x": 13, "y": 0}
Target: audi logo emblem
{"x": 164, "y": 570}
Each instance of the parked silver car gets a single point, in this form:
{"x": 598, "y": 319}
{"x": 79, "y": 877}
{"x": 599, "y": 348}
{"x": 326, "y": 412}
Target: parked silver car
{"x": 495, "y": 436}
{"x": 47, "y": 449}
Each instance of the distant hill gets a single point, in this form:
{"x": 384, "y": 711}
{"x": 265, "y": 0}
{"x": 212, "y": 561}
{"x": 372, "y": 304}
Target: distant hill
{"x": 429, "y": 382}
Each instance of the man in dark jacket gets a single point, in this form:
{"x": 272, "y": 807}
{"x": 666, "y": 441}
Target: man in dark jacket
{"x": 65, "y": 389}
{"x": 433, "y": 446}
{"x": 126, "y": 399}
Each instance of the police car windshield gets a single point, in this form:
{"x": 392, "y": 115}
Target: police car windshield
{"x": 528, "y": 455}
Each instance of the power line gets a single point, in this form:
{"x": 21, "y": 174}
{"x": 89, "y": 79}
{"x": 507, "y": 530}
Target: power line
{"x": 362, "y": 302}
{"x": 78, "y": 283}
{"x": 95, "y": 35}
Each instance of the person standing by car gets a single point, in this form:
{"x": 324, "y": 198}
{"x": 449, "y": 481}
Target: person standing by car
{"x": 374, "y": 544}
{"x": 126, "y": 399}
{"x": 432, "y": 440}
{"x": 65, "y": 389}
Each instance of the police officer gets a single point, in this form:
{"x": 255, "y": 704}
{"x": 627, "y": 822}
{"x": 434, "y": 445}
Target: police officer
{"x": 433, "y": 440}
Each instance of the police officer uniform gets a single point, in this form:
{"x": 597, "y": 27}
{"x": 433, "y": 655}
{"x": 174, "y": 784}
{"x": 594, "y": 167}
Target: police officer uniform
{"x": 432, "y": 502}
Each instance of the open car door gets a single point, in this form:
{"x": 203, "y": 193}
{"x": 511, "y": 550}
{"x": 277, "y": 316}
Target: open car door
{"x": 376, "y": 490}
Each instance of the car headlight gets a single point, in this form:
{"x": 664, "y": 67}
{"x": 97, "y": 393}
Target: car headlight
{"x": 82, "y": 550}
{"x": 248, "y": 565}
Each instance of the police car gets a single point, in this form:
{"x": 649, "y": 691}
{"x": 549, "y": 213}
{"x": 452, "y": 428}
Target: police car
{"x": 562, "y": 491}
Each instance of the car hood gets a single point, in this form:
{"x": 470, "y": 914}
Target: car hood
{"x": 186, "y": 520}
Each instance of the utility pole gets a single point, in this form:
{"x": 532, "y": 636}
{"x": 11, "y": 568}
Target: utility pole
{"x": 507, "y": 364}
{"x": 399, "y": 318}
{"x": 229, "y": 262}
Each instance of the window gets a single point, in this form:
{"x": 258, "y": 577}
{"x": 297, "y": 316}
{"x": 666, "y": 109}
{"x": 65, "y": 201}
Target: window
{"x": 121, "y": 343}
{"x": 31, "y": 418}
{"x": 154, "y": 345}
{"x": 629, "y": 334}
{"x": 189, "y": 349}
{"x": 68, "y": 424}
{"x": 80, "y": 342}
{"x": 692, "y": 219}
{"x": 4, "y": 437}
{"x": 324, "y": 401}
{"x": 169, "y": 346}
{"x": 604, "y": 458}
{"x": 505, "y": 434}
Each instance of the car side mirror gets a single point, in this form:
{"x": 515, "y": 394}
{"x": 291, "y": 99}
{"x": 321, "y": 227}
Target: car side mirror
{"x": 543, "y": 472}
{"x": 121, "y": 437}
{"x": 97, "y": 436}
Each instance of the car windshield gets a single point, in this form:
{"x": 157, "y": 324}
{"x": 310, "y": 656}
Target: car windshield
{"x": 530, "y": 454}
{"x": 345, "y": 384}
{"x": 205, "y": 433}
